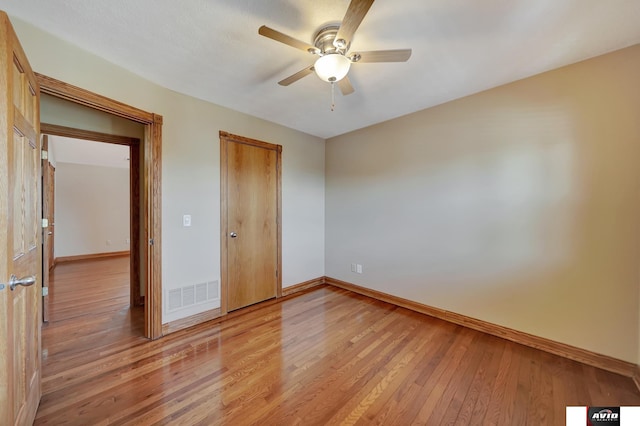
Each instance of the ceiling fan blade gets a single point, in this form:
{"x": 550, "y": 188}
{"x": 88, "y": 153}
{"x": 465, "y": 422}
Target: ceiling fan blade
{"x": 283, "y": 38}
{"x": 345, "y": 86}
{"x": 297, "y": 76}
{"x": 352, "y": 19}
{"x": 398, "y": 55}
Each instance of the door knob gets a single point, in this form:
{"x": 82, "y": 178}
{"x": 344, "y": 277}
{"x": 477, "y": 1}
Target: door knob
{"x": 26, "y": 281}
{"x": 233, "y": 235}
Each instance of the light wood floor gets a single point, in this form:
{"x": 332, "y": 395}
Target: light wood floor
{"x": 327, "y": 356}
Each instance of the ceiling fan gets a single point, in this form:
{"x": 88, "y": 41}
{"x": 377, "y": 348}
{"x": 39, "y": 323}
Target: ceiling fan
{"x": 331, "y": 43}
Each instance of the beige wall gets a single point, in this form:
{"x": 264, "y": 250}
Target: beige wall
{"x": 69, "y": 114}
{"x": 519, "y": 205}
{"x": 191, "y": 169}
{"x": 92, "y": 209}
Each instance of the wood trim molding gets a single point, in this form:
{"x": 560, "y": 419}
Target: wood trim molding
{"x": 224, "y": 218}
{"x": 88, "y": 135}
{"x": 152, "y": 200}
{"x": 222, "y": 317}
{"x": 249, "y": 141}
{"x": 60, "y": 89}
{"x": 297, "y": 288}
{"x": 78, "y": 257}
{"x": 216, "y": 314}
{"x": 567, "y": 351}
{"x": 135, "y": 216}
{"x": 278, "y": 149}
{"x": 151, "y": 177}
{"x": 190, "y": 321}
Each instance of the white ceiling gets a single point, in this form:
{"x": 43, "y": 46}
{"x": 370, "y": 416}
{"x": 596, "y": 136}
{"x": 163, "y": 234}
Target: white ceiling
{"x": 69, "y": 150}
{"x": 211, "y": 49}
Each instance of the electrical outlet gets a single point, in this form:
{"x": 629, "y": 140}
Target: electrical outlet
{"x": 128, "y": 241}
{"x": 186, "y": 220}
{"x": 359, "y": 268}
{"x": 108, "y": 242}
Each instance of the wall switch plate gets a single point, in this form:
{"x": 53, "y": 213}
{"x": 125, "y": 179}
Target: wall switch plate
{"x": 359, "y": 268}
{"x": 186, "y": 220}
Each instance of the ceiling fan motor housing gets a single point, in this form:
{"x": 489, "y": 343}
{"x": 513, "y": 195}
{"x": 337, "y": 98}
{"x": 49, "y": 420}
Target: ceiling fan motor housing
{"x": 324, "y": 40}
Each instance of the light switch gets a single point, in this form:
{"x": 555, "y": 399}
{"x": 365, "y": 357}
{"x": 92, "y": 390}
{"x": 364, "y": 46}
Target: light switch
{"x": 186, "y": 220}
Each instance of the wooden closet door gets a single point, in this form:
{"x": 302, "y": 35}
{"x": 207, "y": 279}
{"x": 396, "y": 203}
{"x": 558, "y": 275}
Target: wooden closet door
{"x": 252, "y": 225}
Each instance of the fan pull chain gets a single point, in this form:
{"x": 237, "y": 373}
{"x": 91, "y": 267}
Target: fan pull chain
{"x": 333, "y": 96}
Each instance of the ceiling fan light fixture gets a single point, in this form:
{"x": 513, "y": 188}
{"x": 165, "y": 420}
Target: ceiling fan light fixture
{"x": 332, "y": 67}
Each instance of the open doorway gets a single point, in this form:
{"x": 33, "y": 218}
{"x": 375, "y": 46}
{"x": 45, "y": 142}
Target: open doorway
{"x": 149, "y": 223}
{"x": 91, "y": 201}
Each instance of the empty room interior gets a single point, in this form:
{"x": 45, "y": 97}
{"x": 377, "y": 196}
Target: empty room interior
{"x": 441, "y": 227}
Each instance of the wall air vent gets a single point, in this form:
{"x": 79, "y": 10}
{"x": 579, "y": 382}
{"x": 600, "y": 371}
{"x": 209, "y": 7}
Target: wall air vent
{"x": 188, "y": 295}
{"x": 191, "y": 295}
{"x": 174, "y": 301}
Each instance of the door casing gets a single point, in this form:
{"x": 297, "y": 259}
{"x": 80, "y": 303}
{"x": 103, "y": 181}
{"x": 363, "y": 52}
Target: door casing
{"x": 151, "y": 191}
{"x": 48, "y": 184}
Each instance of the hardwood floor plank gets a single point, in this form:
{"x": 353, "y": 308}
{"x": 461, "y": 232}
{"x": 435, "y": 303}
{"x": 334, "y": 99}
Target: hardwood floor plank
{"x": 541, "y": 394}
{"x": 450, "y": 409}
{"x": 510, "y": 392}
{"x": 523, "y": 389}
{"x": 397, "y": 392}
{"x": 364, "y": 397}
{"x": 434, "y": 389}
{"x": 487, "y": 379}
{"x": 325, "y": 356}
{"x": 496, "y": 400}
{"x": 481, "y": 377}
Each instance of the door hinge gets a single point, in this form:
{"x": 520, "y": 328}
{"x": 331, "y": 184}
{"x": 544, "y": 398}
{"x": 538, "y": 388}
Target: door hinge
{"x": 45, "y": 222}
{"x": 45, "y": 291}
{"x": 44, "y": 155}
{"x": 276, "y": 272}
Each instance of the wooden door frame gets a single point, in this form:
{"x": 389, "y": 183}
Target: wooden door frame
{"x": 134, "y": 192}
{"x": 45, "y": 184}
{"x": 225, "y": 139}
{"x": 151, "y": 190}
